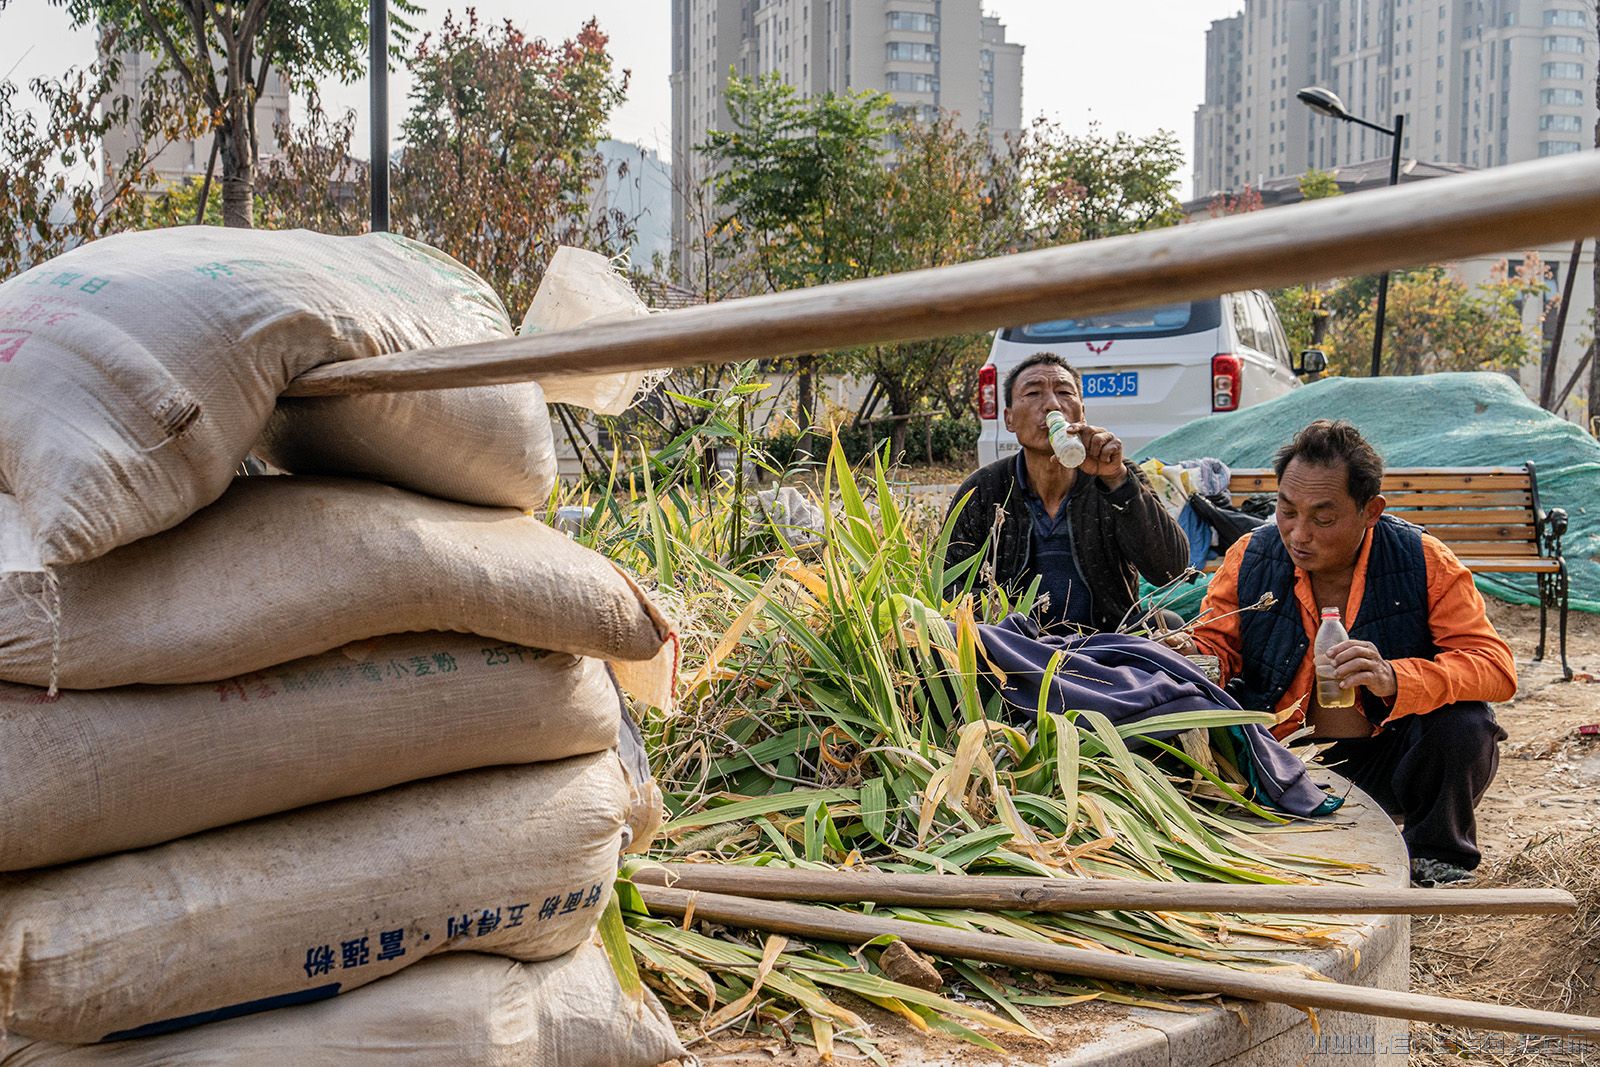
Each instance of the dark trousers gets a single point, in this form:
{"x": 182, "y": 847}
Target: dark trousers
{"x": 1431, "y": 770}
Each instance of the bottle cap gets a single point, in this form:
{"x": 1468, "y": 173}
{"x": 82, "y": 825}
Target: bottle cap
{"x": 1330, "y": 613}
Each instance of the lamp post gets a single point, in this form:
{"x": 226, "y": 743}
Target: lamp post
{"x": 378, "y": 79}
{"x": 1327, "y": 102}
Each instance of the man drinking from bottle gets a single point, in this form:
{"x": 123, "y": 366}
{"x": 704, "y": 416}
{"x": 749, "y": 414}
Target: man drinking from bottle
{"x": 1086, "y": 532}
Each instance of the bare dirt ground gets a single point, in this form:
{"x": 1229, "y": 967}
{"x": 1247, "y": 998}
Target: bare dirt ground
{"x": 1549, "y": 778}
{"x": 1539, "y": 824}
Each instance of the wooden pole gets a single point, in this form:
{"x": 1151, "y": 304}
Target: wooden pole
{"x": 1007, "y": 893}
{"x": 1547, "y": 366}
{"x": 1518, "y": 206}
{"x": 827, "y": 924}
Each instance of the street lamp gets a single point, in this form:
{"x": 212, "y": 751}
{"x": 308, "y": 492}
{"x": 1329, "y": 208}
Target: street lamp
{"x": 1327, "y": 102}
{"x": 378, "y": 78}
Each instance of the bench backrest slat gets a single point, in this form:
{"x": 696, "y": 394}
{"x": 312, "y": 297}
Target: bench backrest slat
{"x": 1484, "y": 514}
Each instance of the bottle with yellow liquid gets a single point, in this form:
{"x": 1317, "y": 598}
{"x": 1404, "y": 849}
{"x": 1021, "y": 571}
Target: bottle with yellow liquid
{"x": 1329, "y": 634}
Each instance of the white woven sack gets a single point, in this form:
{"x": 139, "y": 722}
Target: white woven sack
{"x": 95, "y": 771}
{"x": 137, "y": 371}
{"x": 285, "y": 567}
{"x": 460, "y": 1010}
{"x": 514, "y": 861}
{"x": 579, "y": 288}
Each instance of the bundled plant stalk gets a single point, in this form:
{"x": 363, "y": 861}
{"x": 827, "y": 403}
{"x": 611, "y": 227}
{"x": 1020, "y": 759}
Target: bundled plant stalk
{"x": 834, "y": 717}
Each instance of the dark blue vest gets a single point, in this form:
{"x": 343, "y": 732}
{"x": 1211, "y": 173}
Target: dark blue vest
{"x": 1393, "y": 614}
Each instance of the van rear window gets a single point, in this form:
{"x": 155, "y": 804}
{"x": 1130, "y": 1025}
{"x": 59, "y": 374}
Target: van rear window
{"x": 1168, "y": 320}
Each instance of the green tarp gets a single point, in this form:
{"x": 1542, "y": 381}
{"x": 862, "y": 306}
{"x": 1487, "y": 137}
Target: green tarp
{"x": 1431, "y": 420}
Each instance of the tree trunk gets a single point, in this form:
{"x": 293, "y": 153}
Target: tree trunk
{"x": 238, "y": 159}
{"x": 900, "y": 407}
{"x": 806, "y": 408}
{"x": 1594, "y": 363}
{"x": 805, "y": 394}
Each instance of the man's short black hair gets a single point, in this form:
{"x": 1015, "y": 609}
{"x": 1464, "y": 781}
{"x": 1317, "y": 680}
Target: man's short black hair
{"x": 1039, "y": 359}
{"x": 1329, "y": 442}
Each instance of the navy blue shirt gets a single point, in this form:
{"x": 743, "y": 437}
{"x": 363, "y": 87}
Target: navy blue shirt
{"x": 1054, "y": 558}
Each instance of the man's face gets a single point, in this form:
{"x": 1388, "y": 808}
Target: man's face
{"x": 1321, "y": 524}
{"x": 1038, "y": 391}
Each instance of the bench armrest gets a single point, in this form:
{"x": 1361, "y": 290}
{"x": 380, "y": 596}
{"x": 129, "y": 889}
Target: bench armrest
{"x": 1552, "y": 529}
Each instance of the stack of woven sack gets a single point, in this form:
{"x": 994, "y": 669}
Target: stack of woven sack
{"x": 334, "y": 763}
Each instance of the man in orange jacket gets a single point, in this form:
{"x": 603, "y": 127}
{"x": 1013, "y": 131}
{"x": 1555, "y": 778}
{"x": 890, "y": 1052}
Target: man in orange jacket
{"x": 1422, "y": 654}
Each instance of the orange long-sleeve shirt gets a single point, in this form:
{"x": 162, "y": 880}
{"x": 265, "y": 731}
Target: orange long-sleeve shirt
{"x": 1473, "y": 663}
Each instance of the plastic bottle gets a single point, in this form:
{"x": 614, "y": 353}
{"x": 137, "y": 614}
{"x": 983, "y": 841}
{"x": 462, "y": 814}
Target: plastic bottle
{"x": 1067, "y": 446}
{"x": 1330, "y": 633}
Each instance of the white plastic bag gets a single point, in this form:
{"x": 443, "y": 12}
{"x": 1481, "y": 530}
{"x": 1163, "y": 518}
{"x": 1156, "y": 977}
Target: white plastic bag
{"x": 581, "y": 288}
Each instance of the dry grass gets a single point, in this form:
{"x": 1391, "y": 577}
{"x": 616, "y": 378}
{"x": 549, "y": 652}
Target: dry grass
{"x": 1550, "y": 962}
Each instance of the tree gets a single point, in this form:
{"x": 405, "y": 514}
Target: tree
{"x": 1434, "y": 322}
{"x": 222, "y": 54}
{"x": 1594, "y": 360}
{"x": 500, "y": 162}
{"x": 1319, "y": 185}
{"x": 1084, "y": 187}
{"x": 1223, "y": 205}
{"x": 801, "y": 181}
{"x": 939, "y": 207}
{"x": 52, "y": 196}
{"x": 313, "y": 182}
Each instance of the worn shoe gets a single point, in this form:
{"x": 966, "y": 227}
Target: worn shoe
{"x": 1428, "y": 872}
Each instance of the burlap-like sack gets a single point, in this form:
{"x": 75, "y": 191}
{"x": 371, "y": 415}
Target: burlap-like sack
{"x": 90, "y": 772}
{"x": 488, "y": 445}
{"x": 460, "y": 1010}
{"x": 514, "y": 861}
{"x": 285, "y": 567}
{"x": 137, "y": 371}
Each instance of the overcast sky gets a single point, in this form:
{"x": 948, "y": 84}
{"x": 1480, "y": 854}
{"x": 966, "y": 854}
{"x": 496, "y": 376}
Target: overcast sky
{"x": 1135, "y": 65}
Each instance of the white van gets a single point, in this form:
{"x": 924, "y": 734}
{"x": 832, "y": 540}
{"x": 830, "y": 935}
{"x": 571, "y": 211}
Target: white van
{"x": 1148, "y": 372}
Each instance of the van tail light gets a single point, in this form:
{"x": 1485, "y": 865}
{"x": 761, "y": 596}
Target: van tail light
{"x": 988, "y": 393}
{"x": 1226, "y": 374}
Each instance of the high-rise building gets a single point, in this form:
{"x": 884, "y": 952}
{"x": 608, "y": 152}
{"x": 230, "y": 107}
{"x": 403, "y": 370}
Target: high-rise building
{"x": 1480, "y": 82}
{"x": 927, "y": 54}
{"x": 1216, "y": 134}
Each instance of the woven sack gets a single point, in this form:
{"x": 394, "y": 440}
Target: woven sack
{"x": 514, "y": 861}
{"x": 285, "y": 567}
{"x": 137, "y": 371}
{"x": 90, "y": 772}
{"x": 459, "y": 1010}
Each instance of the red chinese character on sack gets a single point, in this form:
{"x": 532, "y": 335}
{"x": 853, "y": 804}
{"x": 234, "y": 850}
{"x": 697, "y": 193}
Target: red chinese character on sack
{"x": 11, "y": 343}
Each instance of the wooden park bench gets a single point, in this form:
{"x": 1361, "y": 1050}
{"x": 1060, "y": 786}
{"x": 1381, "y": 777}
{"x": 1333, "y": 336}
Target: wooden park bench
{"x": 1490, "y": 517}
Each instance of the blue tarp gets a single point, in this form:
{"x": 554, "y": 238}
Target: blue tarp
{"x": 1475, "y": 419}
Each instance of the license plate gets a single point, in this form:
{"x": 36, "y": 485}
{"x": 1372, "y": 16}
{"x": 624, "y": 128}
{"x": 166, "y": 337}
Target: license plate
{"x": 1117, "y": 383}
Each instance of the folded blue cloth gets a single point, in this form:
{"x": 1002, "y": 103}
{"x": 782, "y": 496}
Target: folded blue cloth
{"x": 1129, "y": 679}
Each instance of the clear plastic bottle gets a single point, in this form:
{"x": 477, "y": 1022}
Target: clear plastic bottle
{"x": 1067, "y": 445}
{"x": 1330, "y": 633}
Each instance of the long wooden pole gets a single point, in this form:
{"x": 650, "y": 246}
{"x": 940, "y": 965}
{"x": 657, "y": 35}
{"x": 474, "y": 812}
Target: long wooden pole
{"x": 1518, "y": 206}
{"x": 1007, "y": 893}
{"x": 827, "y": 924}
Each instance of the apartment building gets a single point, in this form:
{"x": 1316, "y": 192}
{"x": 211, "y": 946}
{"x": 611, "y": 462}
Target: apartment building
{"x": 178, "y": 160}
{"x": 927, "y": 54}
{"x": 1480, "y": 82}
